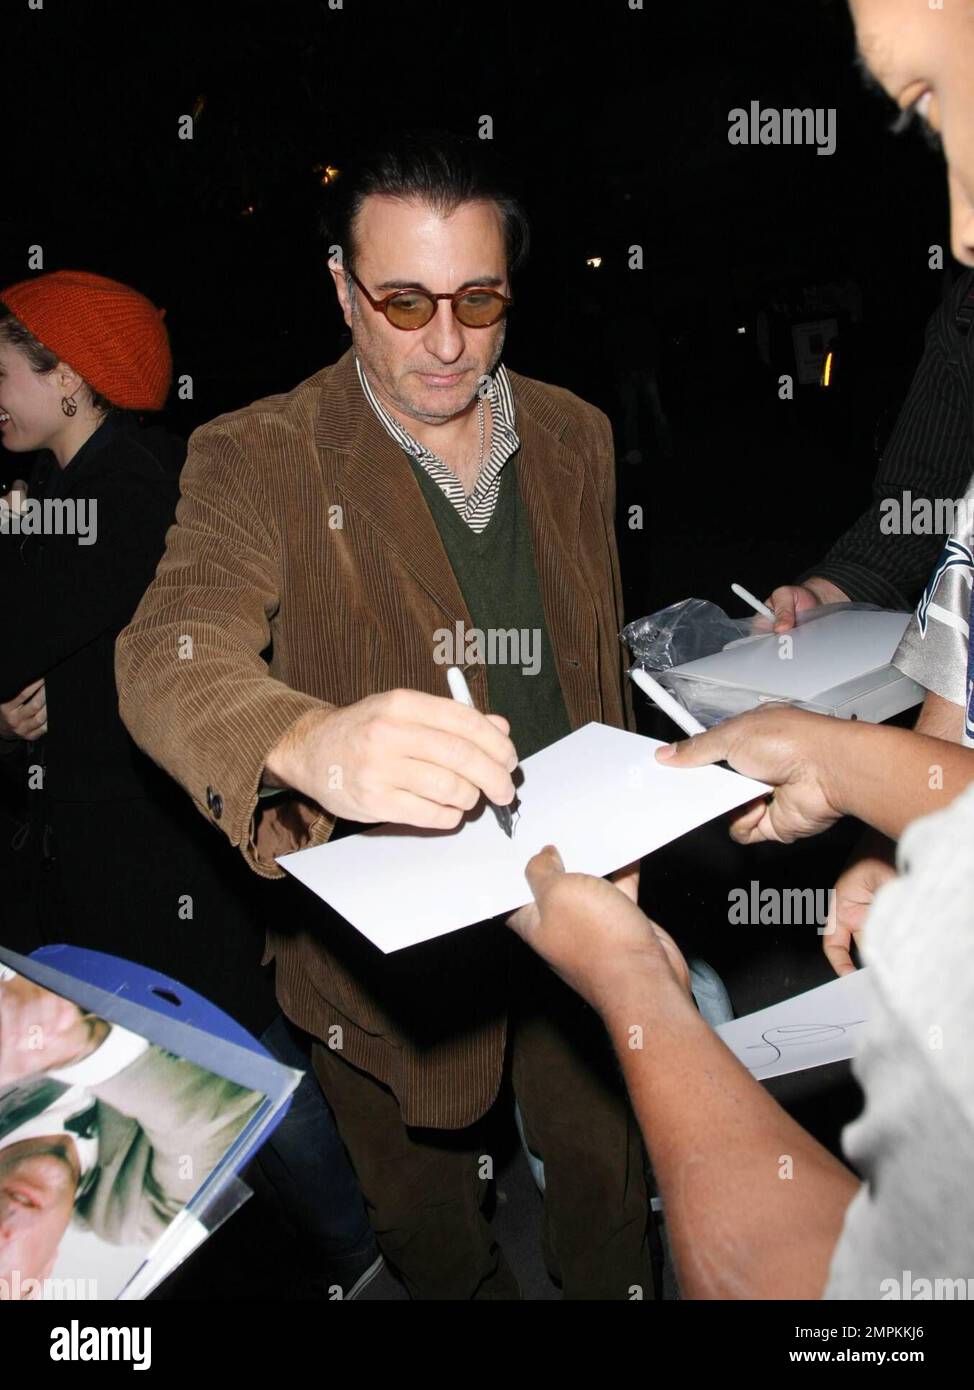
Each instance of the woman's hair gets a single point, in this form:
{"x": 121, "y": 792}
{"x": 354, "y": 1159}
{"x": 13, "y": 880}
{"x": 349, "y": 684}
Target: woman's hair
{"x": 15, "y": 334}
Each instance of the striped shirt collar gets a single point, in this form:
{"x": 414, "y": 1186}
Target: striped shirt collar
{"x": 478, "y": 508}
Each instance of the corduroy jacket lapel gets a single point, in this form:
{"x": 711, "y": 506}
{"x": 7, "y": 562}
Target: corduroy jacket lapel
{"x": 377, "y": 483}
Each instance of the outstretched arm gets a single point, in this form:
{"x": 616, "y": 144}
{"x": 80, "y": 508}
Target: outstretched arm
{"x": 823, "y": 768}
{"x": 753, "y": 1204}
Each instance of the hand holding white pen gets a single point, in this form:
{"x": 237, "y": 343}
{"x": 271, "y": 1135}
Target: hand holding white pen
{"x": 665, "y": 701}
{"x": 403, "y": 756}
{"x": 760, "y": 608}
{"x": 790, "y": 600}
{"x": 461, "y": 691}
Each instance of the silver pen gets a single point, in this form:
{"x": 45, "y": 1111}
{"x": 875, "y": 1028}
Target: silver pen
{"x": 461, "y": 691}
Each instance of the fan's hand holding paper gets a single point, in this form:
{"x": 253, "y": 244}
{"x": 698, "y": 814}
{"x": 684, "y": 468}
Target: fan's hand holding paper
{"x": 812, "y": 1029}
{"x": 598, "y": 794}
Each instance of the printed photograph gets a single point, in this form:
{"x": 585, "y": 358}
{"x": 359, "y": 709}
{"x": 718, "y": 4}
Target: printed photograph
{"x": 104, "y": 1140}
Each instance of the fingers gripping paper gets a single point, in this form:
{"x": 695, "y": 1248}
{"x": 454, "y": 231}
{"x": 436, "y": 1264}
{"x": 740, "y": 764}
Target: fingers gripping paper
{"x": 598, "y": 795}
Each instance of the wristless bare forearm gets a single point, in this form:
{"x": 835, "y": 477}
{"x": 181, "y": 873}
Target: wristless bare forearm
{"x": 940, "y": 718}
{"x": 753, "y": 1204}
{"x": 889, "y": 777}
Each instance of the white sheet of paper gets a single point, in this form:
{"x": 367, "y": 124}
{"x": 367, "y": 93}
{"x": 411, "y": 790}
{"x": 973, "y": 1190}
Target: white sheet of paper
{"x": 598, "y": 795}
{"x": 822, "y": 1025}
{"x": 824, "y": 653}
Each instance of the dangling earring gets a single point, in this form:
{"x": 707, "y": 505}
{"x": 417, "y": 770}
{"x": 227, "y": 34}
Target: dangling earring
{"x": 69, "y": 405}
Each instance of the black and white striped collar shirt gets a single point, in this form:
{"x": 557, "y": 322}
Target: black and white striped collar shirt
{"x": 477, "y": 509}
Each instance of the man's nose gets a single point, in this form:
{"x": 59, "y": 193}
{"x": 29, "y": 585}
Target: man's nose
{"x": 443, "y": 335}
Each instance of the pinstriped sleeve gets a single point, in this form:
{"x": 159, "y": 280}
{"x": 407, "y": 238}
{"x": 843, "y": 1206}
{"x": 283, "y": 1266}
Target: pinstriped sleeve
{"x": 930, "y": 455}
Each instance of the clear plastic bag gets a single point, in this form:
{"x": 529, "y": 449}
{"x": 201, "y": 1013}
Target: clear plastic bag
{"x": 694, "y": 628}
{"x": 683, "y": 632}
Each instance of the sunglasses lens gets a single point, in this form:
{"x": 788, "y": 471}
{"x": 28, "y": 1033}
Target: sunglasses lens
{"x": 413, "y": 309}
{"x": 479, "y": 310}
{"x": 409, "y": 309}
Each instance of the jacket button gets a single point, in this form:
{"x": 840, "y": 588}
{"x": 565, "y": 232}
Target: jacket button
{"x": 214, "y": 802}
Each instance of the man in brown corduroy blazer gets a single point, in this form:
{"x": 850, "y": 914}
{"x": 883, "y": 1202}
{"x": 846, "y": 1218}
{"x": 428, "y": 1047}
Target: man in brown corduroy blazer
{"x": 281, "y": 667}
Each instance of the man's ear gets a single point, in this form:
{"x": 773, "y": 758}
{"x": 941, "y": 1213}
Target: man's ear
{"x": 341, "y": 289}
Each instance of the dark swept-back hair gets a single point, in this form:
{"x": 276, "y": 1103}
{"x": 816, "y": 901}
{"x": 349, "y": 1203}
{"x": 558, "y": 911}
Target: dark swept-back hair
{"x": 436, "y": 167}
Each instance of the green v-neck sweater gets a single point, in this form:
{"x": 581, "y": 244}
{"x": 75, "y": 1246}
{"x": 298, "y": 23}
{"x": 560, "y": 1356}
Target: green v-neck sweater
{"x": 496, "y": 573}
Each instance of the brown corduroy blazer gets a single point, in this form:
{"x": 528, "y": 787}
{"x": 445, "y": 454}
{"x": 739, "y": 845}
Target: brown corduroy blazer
{"x": 305, "y": 571}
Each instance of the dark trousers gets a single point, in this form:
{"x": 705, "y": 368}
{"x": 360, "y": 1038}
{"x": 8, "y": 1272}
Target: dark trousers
{"x": 306, "y": 1164}
{"x": 424, "y": 1189}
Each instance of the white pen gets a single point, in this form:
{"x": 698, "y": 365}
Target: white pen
{"x": 755, "y": 603}
{"x": 461, "y": 691}
{"x": 672, "y": 707}
{"x": 665, "y": 700}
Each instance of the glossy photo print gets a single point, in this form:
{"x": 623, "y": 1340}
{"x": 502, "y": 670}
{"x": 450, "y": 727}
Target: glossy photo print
{"x": 105, "y": 1139}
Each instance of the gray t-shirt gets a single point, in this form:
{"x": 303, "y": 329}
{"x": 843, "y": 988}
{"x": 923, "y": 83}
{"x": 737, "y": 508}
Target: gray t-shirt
{"x": 934, "y": 647}
{"x": 913, "y": 1144}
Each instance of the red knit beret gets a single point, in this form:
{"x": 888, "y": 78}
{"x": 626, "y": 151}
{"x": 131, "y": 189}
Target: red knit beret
{"x": 110, "y": 334}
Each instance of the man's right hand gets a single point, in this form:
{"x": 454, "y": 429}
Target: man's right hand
{"x": 791, "y": 599}
{"x": 402, "y": 756}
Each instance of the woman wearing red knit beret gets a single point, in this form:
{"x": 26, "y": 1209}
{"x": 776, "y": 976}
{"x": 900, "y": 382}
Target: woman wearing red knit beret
{"x": 115, "y": 856}
{"x": 112, "y": 854}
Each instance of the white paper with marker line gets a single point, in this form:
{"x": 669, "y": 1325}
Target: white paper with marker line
{"x": 598, "y": 794}
{"x": 809, "y": 1030}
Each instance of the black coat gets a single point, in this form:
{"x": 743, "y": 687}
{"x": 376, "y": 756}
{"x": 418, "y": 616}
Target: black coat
{"x": 118, "y": 858}
{"x": 67, "y": 602}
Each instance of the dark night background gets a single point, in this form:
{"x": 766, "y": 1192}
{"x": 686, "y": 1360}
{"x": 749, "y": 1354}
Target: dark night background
{"x": 615, "y": 123}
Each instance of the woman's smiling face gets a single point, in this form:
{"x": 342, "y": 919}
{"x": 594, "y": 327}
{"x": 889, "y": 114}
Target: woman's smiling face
{"x": 30, "y": 401}
{"x": 924, "y": 59}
